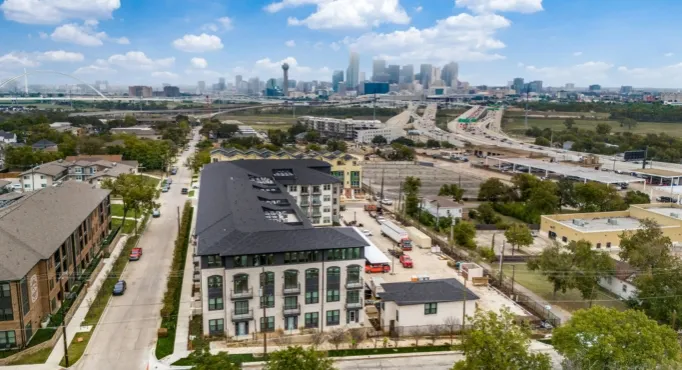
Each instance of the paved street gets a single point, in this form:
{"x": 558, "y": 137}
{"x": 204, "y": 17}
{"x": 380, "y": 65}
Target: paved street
{"x": 127, "y": 329}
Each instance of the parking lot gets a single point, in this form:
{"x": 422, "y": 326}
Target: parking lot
{"x": 425, "y": 262}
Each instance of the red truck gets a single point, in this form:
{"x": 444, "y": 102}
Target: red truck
{"x": 377, "y": 268}
{"x": 406, "y": 261}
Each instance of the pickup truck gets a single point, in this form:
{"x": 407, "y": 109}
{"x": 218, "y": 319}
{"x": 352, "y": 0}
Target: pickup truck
{"x": 135, "y": 254}
{"x": 406, "y": 261}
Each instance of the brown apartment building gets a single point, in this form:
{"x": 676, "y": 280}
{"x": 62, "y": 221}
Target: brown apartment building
{"x": 47, "y": 239}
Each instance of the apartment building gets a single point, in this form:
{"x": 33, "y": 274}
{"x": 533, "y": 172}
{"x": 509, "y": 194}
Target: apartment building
{"x": 338, "y": 128}
{"x": 44, "y": 176}
{"x": 47, "y": 239}
{"x": 345, "y": 167}
{"x": 89, "y": 169}
{"x": 263, "y": 265}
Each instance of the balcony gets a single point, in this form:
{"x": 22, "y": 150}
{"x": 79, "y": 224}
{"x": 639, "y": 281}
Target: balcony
{"x": 305, "y": 202}
{"x": 316, "y": 214}
{"x": 291, "y": 310}
{"x": 354, "y": 284}
{"x": 242, "y": 315}
{"x": 317, "y": 191}
{"x": 241, "y": 294}
{"x": 354, "y": 305}
{"x": 305, "y": 192}
{"x": 317, "y": 202}
{"x": 291, "y": 289}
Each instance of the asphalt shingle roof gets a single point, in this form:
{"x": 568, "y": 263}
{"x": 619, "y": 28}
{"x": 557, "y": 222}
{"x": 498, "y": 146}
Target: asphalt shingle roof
{"x": 34, "y": 227}
{"x": 231, "y": 217}
{"x": 429, "y": 291}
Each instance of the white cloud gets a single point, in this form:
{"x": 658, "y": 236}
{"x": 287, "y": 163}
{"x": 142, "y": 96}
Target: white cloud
{"x": 43, "y": 35}
{"x": 198, "y": 43}
{"x": 290, "y": 43}
{"x": 225, "y": 22}
{"x": 94, "y": 70}
{"x": 665, "y": 76}
{"x": 222, "y": 24}
{"x": 61, "y": 56}
{"x": 491, "y": 6}
{"x": 335, "y": 46}
{"x": 85, "y": 34}
{"x": 14, "y": 59}
{"x": 137, "y": 60}
{"x": 164, "y": 74}
{"x": 344, "y": 14}
{"x": 668, "y": 54}
{"x": 589, "y": 72}
{"x": 577, "y": 53}
{"x": 461, "y": 37}
{"x": 199, "y": 63}
{"x": 267, "y": 68}
{"x": 418, "y": 9}
{"x": 521, "y": 65}
{"x": 56, "y": 11}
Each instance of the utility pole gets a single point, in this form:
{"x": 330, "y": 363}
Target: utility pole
{"x": 264, "y": 320}
{"x": 513, "y": 275}
{"x": 501, "y": 259}
{"x": 381, "y": 194}
{"x": 322, "y": 296}
{"x": 178, "y": 218}
{"x": 66, "y": 345}
{"x": 646, "y": 155}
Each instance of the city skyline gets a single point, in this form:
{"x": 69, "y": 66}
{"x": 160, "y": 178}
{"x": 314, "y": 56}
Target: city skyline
{"x": 493, "y": 42}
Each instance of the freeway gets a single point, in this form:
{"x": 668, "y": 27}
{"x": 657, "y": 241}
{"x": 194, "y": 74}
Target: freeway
{"x": 127, "y": 330}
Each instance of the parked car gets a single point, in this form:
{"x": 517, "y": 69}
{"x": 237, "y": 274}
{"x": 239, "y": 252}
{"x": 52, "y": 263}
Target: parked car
{"x": 156, "y": 213}
{"x": 170, "y": 181}
{"x": 135, "y": 254}
{"x": 387, "y": 202}
{"x": 367, "y": 232}
{"x": 377, "y": 268}
{"x": 406, "y": 261}
{"x": 165, "y": 189}
{"x": 119, "y": 288}
{"x": 184, "y": 191}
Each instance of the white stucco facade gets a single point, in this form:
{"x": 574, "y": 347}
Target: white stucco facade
{"x": 320, "y": 202}
{"x": 410, "y": 316}
{"x": 622, "y": 288}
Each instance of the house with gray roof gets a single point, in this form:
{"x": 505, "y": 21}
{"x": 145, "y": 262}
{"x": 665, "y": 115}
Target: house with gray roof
{"x": 257, "y": 241}
{"x": 7, "y": 137}
{"x": 408, "y": 305}
{"x": 47, "y": 239}
{"x": 44, "y": 176}
{"x": 45, "y": 145}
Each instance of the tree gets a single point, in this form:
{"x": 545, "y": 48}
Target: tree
{"x": 227, "y": 130}
{"x": 496, "y": 342}
{"x": 464, "y": 233}
{"x": 451, "y": 325}
{"x": 659, "y": 293}
{"x": 494, "y": 190}
{"x": 312, "y": 136}
{"x": 313, "y": 147}
{"x": 401, "y": 153}
{"x": 137, "y": 192}
{"x": 298, "y": 358}
{"x": 569, "y": 123}
{"x": 566, "y": 193}
{"x": 628, "y": 122}
{"x": 204, "y": 360}
{"x": 543, "y": 199}
{"x": 636, "y": 197}
{"x": 524, "y": 183}
{"x": 452, "y": 190}
{"x": 518, "y": 235}
{"x": 404, "y": 141}
{"x": 277, "y": 137}
{"x": 379, "y": 140}
{"x": 598, "y": 197}
{"x": 411, "y": 189}
{"x": 646, "y": 247}
{"x": 334, "y": 145}
{"x": 198, "y": 160}
{"x": 431, "y": 143}
{"x": 129, "y": 120}
{"x": 486, "y": 214}
{"x": 556, "y": 263}
{"x": 542, "y": 141}
{"x": 337, "y": 337}
{"x": 603, "y": 128}
{"x": 417, "y": 334}
{"x": 606, "y": 338}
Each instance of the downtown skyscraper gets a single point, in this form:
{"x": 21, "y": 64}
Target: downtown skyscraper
{"x": 449, "y": 74}
{"x": 353, "y": 71}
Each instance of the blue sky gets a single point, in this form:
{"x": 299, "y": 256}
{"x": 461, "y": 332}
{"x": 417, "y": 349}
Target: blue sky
{"x": 610, "y": 42}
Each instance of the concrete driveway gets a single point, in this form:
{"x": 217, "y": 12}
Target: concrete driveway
{"x": 127, "y": 330}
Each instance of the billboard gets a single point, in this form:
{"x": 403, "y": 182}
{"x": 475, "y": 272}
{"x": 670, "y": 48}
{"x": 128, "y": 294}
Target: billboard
{"x": 634, "y": 155}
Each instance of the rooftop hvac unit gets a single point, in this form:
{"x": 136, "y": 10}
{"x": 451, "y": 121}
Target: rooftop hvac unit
{"x": 579, "y": 222}
{"x": 612, "y": 221}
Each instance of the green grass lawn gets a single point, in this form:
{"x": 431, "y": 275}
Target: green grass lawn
{"x": 117, "y": 210}
{"x": 76, "y": 349}
{"x": 191, "y": 193}
{"x": 129, "y": 227}
{"x": 517, "y": 126}
{"x": 570, "y": 301}
{"x": 35, "y": 358}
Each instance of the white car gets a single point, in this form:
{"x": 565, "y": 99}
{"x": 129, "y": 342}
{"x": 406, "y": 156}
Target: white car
{"x": 387, "y": 202}
{"x": 367, "y": 232}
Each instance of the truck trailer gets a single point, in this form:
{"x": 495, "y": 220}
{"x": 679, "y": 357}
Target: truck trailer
{"x": 418, "y": 237}
{"x": 398, "y": 235}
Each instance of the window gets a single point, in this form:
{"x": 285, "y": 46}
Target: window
{"x": 564, "y": 239}
{"x": 7, "y": 339}
{"x": 290, "y": 303}
{"x": 293, "y": 188}
{"x": 333, "y": 295}
{"x": 268, "y": 301}
{"x": 267, "y": 324}
{"x": 326, "y": 209}
{"x": 215, "y": 282}
{"x": 304, "y": 190}
{"x": 27, "y": 186}
{"x": 215, "y": 304}
{"x": 397, "y": 315}
{"x": 312, "y": 320}
{"x": 326, "y": 220}
{"x": 241, "y": 261}
{"x": 312, "y": 297}
{"x": 7, "y": 315}
{"x": 263, "y": 259}
{"x": 42, "y": 177}
{"x": 430, "y": 308}
{"x": 290, "y": 279}
{"x": 43, "y": 185}
{"x": 216, "y": 327}
{"x": 5, "y": 290}
{"x": 327, "y": 198}
{"x": 214, "y": 261}
{"x": 327, "y": 187}
{"x": 241, "y": 283}
{"x": 333, "y": 317}
{"x": 608, "y": 245}
{"x": 241, "y": 307}
{"x": 26, "y": 177}
{"x": 625, "y": 288}
{"x": 79, "y": 170}
{"x": 598, "y": 245}
{"x": 353, "y": 296}
{"x": 353, "y": 274}
{"x": 316, "y": 189}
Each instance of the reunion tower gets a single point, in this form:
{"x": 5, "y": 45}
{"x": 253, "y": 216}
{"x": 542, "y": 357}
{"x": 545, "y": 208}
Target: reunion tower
{"x": 285, "y": 84}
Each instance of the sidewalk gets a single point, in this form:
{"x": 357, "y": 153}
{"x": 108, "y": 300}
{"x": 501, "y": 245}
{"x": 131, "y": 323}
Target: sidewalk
{"x": 75, "y": 323}
{"x": 185, "y": 312}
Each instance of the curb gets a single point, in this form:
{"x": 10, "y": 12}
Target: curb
{"x": 260, "y": 364}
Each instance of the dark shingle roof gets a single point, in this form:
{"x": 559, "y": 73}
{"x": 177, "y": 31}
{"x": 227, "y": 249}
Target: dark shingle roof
{"x": 231, "y": 218}
{"x": 429, "y": 291}
{"x": 44, "y": 143}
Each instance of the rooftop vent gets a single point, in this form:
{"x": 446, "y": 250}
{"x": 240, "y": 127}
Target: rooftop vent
{"x": 262, "y": 180}
{"x": 277, "y": 216}
{"x": 579, "y": 222}
{"x": 612, "y": 221}
{"x": 283, "y": 173}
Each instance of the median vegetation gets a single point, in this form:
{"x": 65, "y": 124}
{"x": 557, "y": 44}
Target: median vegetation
{"x": 171, "y": 299}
